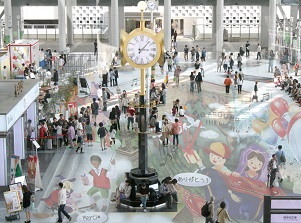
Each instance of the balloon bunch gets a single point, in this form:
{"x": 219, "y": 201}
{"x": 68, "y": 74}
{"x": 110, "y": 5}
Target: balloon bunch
{"x": 273, "y": 122}
{"x": 18, "y": 58}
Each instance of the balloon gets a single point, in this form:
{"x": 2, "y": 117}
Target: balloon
{"x": 294, "y": 108}
{"x": 258, "y": 125}
{"x": 279, "y": 106}
{"x": 278, "y": 126}
{"x": 262, "y": 114}
{"x": 272, "y": 116}
{"x": 295, "y": 118}
{"x": 14, "y": 57}
{"x": 269, "y": 136}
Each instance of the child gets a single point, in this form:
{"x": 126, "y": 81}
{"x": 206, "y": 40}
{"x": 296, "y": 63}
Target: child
{"x": 89, "y": 133}
{"x": 113, "y": 133}
{"x": 166, "y": 79}
{"x": 174, "y": 110}
{"x": 181, "y": 112}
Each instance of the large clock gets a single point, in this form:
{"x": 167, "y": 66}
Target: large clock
{"x": 142, "y": 49}
{"x": 152, "y": 5}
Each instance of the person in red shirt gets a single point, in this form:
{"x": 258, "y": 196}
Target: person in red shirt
{"x": 130, "y": 113}
{"x": 227, "y": 83}
{"x": 42, "y": 134}
{"x": 175, "y": 127}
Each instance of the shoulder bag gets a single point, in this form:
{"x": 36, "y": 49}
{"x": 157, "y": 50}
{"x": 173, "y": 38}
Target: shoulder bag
{"x": 218, "y": 214}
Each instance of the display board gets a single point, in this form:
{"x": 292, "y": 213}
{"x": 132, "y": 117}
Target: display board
{"x": 12, "y": 201}
{"x": 17, "y": 187}
{"x": 284, "y": 209}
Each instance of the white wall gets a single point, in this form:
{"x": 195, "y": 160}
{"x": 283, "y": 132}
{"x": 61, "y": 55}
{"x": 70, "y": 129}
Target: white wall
{"x": 40, "y": 12}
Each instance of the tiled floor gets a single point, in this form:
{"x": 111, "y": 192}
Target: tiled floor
{"x": 211, "y": 117}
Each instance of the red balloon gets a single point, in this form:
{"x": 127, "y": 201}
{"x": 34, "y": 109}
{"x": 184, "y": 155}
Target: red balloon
{"x": 279, "y": 106}
{"x": 14, "y": 57}
{"x": 295, "y": 118}
{"x": 278, "y": 127}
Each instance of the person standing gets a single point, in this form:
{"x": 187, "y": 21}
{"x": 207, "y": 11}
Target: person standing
{"x": 192, "y": 79}
{"x": 239, "y": 83}
{"x": 199, "y": 80}
{"x": 62, "y": 200}
{"x": 55, "y": 77}
{"x": 239, "y": 61}
{"x": 130, "y": 113}
{"x": 280, "y": 156}
{"x": 71, "y": 135}
{"x": 112, "y": 77}
{"x": 101, "y": 132}
{"x": 186, "y": 53}
{"x": 116, "y": 76}
{"x": 29, "y": 131}
{"x": 222, "y": 214}
{"x": 175, "y": 35}
{"x": 247, "y": 49}
{"x": 80, "y": 137}
{"x": 4, "y": 72}
{"x": 26, "y": 202}
{"x": 210, "y": 218}
{"x": 175, "y": 128}
{"x": 192, "y": 51}
{"x": 105, "y": 79}
{"x": 176, "y": 60}
{"x": 94, "y": 108}
{"x": 296, "y": 68}
{"x": 177, "y": 75}
{"x": 258, "y": 52}
{"x": 95, "y": 47}
{"x": 223, "y": 52}
{"x": 204, "y": 53}
{"x": 227, "y": 83}
{"x": 271, "y": 61}
{"x": 255, "y": 90}
{"x": 202, "y": 66}
{"x": 104, "y": 99}
{"x": 273, "y": 169}
{"x": 89, "y": 133}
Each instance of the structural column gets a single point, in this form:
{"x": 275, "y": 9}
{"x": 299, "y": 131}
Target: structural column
{"x": 114, "y": 23}
{"x": 62, "y": 25}
{"x": 264, "y": 27}
{"x": 219, "y": 27}
{"x": 213, "y": 24}
{"x": 70, "y": 4}
{"x": 272, "y": 24}
{"x": 17, "y": 22}
{"x": 8, "y": 22}
{"x": 121, "y": 16}
{"x": 167, "y": 24}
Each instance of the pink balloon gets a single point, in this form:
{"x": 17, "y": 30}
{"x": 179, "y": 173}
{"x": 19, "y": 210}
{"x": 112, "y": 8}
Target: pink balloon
{"x": 295, "y": 118}
{"x": 278, "y": 127}
{"x": 279, "y": 106}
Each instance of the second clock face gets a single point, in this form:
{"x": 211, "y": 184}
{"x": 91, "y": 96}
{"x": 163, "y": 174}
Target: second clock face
{"x": 142, "y": 49}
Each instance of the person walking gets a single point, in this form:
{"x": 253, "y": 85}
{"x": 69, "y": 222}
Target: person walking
{"x": 239, "y": 83}
{"x": 239, "y": 61}
{"x": 116, "y": 76}
{"x": 199, "y": 80}
{"x": 247, "y": 49}
{"x": 273, "y": 169}
{"x": 29, "y": 131}
{"x": 71, "y": 135}
{"x": 192, "y": 54}
{"x": 280, "y": 156}
{"x": 26, "y": 202}
{"x": 258, "y": 52}
{"x": 175, "y": 128}
{"x": 101, "y": 132}
{"x": 192, "y": 79}
{"x": 186, "y": 53}
{"x": 177, "y": 75}
{"x": 222, "y": 214}
{"x": 80, "y": 137}
{"x": 4, "y": 72}
{"x": 104, "y": 99}
{"x": 256, "y": 90}
{"x": 62, "y": 200}
{"x": 94, "y": 108}
{"x": 210, "y": 218}
{"x": 271, "y": 61}
{"x": 95, "y": 47}
{"x": 204, "y": 53}
{"x": 112, "y": 77}
{"x": 227, "y": 83}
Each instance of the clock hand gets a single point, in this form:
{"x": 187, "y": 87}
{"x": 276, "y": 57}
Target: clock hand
{"x": 143, "y": 47}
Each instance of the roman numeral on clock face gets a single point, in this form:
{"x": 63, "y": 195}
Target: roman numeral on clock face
{"x": 142, "y": 37}
{"x": 130, "y": 49}
{"x": 152, "y": 43}
{"x": 136, "y": 39}
{"x": 152, "y": 55}
{"x": 147, "y": 60}
{"x": 141, "y": 61}
{"x": 132, "y": 55}
{"x": 136, "y": 59}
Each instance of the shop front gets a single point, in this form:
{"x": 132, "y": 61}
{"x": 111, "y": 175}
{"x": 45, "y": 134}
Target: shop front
{"x": 17, "y": 105}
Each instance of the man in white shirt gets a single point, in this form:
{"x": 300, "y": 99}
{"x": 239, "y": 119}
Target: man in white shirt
{"x": 123, "y": 191}
{"x": 99, "y": 95}
{"x": 258, "y": 52}
{"x": 62, "y": 199}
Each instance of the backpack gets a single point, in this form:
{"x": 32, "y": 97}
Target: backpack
{"x": 205, "y": 210}
{"x": 282, "y": 158}
{"x": 108, "y": 95}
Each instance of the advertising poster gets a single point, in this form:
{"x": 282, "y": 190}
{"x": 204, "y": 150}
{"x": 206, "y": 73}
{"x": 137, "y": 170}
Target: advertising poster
{"x": 12, "y": 201}
{"x": 17, "y": 187}
{"x": 15, "y": 168}
{"x": 72, "y": 109}
{"x": 34, "y": 178}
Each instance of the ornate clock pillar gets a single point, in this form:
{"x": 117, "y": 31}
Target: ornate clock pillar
{"x": 142, "y": 48}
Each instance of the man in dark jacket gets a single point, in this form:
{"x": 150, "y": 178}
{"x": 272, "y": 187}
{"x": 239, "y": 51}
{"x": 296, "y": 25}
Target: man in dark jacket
{"x": 55, "y": 77}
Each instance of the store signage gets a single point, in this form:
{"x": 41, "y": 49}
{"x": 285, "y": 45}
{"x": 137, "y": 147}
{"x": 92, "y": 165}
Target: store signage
{"x": 286, "y": 204}
{"x": 285, "y": 218}
{"x": 23, "y": 104}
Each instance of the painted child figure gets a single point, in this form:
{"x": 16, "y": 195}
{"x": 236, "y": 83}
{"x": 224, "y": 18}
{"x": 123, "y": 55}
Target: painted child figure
{"x": 101, "y": 181}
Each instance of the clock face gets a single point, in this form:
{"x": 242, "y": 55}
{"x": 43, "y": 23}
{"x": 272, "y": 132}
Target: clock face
{"x": 152, "y": 5}
{"x": 142, "y": 49}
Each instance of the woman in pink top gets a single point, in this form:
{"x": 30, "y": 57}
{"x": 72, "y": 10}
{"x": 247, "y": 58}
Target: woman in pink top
{"x": 175, "y": 127}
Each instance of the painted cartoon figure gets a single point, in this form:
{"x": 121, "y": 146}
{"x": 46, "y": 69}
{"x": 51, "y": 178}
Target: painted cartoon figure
{"x": 253, "y": 163}
{"x": 101, "y": 181}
